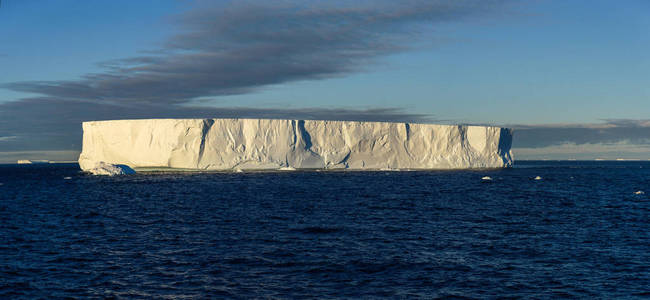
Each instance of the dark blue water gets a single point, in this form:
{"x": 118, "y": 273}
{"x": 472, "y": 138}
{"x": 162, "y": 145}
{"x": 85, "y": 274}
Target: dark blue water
{"x": 579, "y": 232}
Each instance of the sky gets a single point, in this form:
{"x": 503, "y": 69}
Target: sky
{"x": 571, "y": 77}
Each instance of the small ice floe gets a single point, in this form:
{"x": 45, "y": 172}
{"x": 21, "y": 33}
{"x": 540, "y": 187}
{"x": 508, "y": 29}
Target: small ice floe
{"x": 102, "y": 168}
{"x": 287, "y": 169}
{"x": 537, "y": 178}
{"x": 639, "y": 193}
{"x": 67, "y": 178}
{"x": 239, "y": 171}
{"x": 486, "y": 178}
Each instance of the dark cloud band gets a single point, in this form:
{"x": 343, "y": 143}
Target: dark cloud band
{"x": 235, "y": 47}
{"x": 610, "y": 132}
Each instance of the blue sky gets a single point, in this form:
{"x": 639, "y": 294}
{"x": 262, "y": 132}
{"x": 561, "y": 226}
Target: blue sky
{"x": 538, "y": 66}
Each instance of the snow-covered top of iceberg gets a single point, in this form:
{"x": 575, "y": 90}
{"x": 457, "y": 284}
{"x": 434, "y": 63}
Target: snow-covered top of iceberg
{"x": 239, "y": 144}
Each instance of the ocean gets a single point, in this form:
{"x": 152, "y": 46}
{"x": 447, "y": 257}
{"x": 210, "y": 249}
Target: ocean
{"x": 581, "y": 231}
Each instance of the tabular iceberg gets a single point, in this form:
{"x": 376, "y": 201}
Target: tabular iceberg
{"x": 241, "y": 144}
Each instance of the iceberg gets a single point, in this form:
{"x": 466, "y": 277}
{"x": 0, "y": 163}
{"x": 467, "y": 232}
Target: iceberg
{"x": 102, "y": 168}
{"x": 272, "y": 144}
{"x": 32, "y": 161}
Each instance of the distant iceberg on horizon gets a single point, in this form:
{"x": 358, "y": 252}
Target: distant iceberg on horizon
{"x": 273, "y": 144}
{"x": 32, "y": 161}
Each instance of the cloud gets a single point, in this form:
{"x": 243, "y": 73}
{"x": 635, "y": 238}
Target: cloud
{"x": 235, "y": 47}
{"x": 610, "y": 132}
{"x": 611, "y": 139}
{"x": 628, "y": 123}
{"x": 587, "y": 151}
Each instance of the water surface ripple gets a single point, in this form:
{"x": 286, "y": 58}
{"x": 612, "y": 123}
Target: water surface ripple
{"x": 579, "y": 232}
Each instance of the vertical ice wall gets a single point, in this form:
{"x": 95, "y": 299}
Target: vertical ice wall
{"x": 227, "y": 144}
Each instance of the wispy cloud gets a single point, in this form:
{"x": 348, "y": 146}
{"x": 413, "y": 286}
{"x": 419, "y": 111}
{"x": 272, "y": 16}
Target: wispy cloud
{"x": 234, "y": 47}
{"x": 7, "y": 138}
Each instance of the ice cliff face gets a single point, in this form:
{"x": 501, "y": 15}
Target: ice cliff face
{"x": 233, "y": 144}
